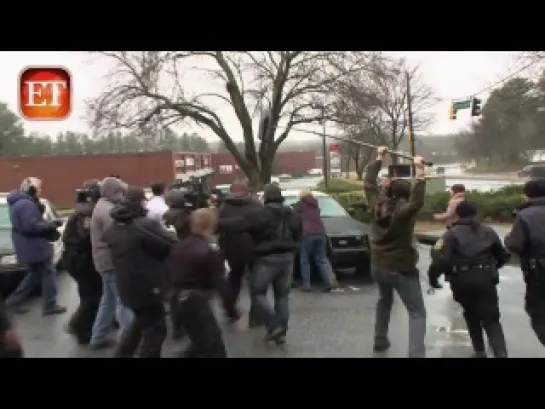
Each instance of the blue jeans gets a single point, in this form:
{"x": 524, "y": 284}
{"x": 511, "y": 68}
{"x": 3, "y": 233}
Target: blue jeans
{"x": 110, "y": 305}
{"x": 275, "y": 269}
{"x": 313, "y": 248}
{"x": 42, "y": 273}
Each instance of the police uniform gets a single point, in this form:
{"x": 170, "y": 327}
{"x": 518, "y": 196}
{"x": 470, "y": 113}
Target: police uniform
{"x": 527, "y": 241}
{"x": 78, "y": 261}
{"x": 470, "y": 254}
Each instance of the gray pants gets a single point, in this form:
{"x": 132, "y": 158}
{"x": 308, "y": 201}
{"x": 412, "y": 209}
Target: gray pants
{"x": 410, "y": 292}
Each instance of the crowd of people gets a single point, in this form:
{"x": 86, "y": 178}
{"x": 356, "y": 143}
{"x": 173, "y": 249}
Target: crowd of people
{"x": 129, "y": 266}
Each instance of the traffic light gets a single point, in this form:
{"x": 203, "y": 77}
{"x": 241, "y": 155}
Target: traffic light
{"x": 476, "y": 106}
{"x": 452, "y": 112}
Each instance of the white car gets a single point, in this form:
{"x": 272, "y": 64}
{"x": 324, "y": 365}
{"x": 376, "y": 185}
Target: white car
{"x": 8, "y": 259}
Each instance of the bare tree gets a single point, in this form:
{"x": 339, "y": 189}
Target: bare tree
{"x": 373, "y": 104}
{"x": 146, "y": 90}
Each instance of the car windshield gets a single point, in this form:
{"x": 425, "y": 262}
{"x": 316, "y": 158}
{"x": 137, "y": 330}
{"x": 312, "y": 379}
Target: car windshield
{"x": 329, "y": 207}
{"x": 5, "y": 223}
{"x": 6, "y": 246}
{"x": 537, "y": 172}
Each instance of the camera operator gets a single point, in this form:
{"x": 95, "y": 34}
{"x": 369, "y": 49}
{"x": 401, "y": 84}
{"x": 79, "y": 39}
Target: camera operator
{"x": 78, "y": 259}
{"x": 178, "y": 213}
{"x": 31, "y": 236}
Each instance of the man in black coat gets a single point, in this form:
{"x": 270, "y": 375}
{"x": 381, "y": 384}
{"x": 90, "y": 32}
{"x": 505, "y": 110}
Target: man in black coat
{"x": 238, "y": 246}
{"x": 78, "y": 260}
{"x": 139, "y": 247}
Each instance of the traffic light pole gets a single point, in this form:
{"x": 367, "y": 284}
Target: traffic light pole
{"x": 410, "y": 120}
{"x": 325, "y": 167}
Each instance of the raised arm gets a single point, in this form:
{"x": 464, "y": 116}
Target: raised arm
{"x": 370, "y": 185}
{"x": 418, "y": 193}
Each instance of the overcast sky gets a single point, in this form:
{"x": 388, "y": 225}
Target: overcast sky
{"x": 451, "y": 75}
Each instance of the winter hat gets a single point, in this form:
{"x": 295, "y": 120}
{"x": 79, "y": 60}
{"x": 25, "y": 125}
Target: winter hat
{"x": 466, "y": 210}
{"x": 534, "y": 188}
{"x": 135, "y": 194}
{"x": 272, "y": 194}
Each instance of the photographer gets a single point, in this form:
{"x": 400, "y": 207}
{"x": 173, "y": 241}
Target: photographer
{"x": 178, "y": 213}
{"x": 31, "y": 236}
{"x": 78, "y": 259}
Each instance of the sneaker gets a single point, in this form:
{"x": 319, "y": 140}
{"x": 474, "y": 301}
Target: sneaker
{"x": 306, "y": 288}
{"x": 57, "y": 309}
{"x": 107, "y": 343}
{"x": 381, "y": 346}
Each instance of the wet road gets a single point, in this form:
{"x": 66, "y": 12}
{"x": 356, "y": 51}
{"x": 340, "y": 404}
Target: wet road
{"x": 322, "y": 325}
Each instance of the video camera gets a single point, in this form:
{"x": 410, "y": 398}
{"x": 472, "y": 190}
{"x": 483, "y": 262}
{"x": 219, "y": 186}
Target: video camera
{"x": 196, "y": 196}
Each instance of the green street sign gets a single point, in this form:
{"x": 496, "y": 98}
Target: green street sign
{"x": 463, "y": 104}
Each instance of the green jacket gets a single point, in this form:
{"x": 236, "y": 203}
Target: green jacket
{"x": 392, "y": 238}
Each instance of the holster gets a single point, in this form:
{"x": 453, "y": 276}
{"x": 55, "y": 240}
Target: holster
{"x": 481, "y": 273}
{"x": 534, "y": 268}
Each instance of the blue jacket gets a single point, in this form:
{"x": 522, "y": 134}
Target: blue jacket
{"x": 28, "y": 229}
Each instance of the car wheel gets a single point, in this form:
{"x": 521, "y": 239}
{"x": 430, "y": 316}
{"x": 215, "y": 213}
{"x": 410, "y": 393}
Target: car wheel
{"x": 363, "y": 268}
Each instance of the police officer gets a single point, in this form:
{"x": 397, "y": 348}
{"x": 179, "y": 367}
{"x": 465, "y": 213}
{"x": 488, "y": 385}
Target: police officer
{"x": 470, "y": 254}
{"x": 78, "y": 260}
{"x": 527, "y": 241}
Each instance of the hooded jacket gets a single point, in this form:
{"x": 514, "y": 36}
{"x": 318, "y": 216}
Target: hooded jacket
{"x": 237, "y": 246}
{"x": 139, "y": 247}
{"x": 111, "y": 191}
{"x": 274, "y": 229}
{"x": 29, "y": 231}
{"x": 392, "y": 226}
{"x": 308, "y": 210}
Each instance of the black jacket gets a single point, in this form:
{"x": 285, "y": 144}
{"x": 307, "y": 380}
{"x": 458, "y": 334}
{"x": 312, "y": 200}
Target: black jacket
{"x": 274, "y": 229}
{"x": 468, "y": 242}
{"x": 5, "y": 323}
{"x": 237, "y": 246}
{"x": 527, "y": 236}
{"x": 139, "y": 247}
{"x": 77, "y": 232}
{"x": 77, "y": 257}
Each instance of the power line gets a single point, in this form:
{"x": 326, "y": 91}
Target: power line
{"x": 509, "y": 76}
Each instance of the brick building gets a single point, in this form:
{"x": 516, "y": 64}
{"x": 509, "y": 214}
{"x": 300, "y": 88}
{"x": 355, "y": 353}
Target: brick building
{"x": 294, "y": 163}
{"x": 61, "y": 175}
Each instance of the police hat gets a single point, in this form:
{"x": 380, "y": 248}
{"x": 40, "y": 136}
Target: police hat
{"x": 466, "y": 209}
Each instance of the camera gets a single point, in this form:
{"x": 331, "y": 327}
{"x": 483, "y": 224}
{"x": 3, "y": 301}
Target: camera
{"x": 196, "y": 196}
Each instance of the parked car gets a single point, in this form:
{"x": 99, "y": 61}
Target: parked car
{"x": 348, "y": 248}
{"x": 532, "y": 171}
{"x": 11, "y": 272}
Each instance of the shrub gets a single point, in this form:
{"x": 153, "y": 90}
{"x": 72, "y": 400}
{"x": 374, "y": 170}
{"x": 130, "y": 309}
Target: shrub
{"x": 496, "y": 206}
{"x": 339, "y": 186}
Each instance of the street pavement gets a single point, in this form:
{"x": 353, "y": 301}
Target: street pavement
{"x": 322, "y": 325}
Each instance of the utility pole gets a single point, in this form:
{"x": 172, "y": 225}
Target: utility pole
{"x": 325, "y": 153}
{"x": 410, "y": 120}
